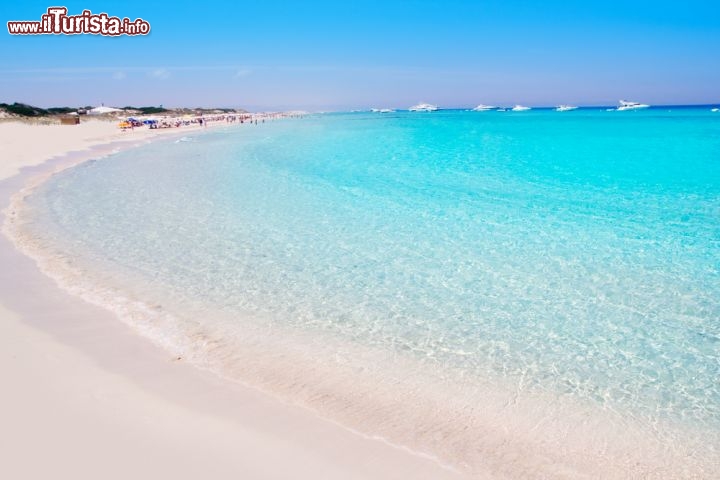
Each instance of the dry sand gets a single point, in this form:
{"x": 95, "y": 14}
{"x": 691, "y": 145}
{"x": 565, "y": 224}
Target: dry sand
{"x": 84, "y": 397}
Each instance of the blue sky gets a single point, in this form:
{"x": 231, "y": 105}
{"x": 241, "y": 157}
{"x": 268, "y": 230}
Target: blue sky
{"x": 269, "y": 54}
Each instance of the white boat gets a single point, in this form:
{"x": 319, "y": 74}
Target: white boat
{"x": 423, "y": 107}
{"x": 520, "y": 108}
{"x": 382, "y": 110}
{"x": 715, "y": 110}
{"x": 565, "y": 108}
{"x": 483, "y": 108}
{"x": 630, "y": 106}
{"x": 502, "y": 109}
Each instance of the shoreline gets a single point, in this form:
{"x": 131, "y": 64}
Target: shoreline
{"x": 536, "y": 460}
{"x": 79, "y": 380}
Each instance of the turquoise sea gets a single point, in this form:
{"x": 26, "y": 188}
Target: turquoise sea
{"x": 451, "y": 281}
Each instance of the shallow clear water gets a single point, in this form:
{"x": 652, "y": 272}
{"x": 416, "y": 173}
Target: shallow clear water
{"x": 578, "y": 252}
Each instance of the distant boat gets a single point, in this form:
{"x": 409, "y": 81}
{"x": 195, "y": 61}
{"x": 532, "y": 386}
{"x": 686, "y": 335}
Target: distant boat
{"x": 565, "y": 108}
{"x": 520, "y": 108}
{"x": 630, "y": 106}
{"x": 423, "y": 107}
{"x": 502, "y": 109}
{"x": 483, "y": 108}
{"x": 715, "y": 110}
{"x": 382, "y": 110}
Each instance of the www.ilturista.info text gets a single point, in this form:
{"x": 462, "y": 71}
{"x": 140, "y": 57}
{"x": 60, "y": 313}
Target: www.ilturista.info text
{"x": 57, "y": 22}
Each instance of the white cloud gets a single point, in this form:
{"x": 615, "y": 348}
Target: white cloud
{"x": 243, "y": 72}
{"x": 159, "y": 73}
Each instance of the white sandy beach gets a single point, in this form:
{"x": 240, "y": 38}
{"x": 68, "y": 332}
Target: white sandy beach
{"x": 85, "y": 397}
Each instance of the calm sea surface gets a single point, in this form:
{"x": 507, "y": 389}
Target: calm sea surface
{"x": 575, "y": 255}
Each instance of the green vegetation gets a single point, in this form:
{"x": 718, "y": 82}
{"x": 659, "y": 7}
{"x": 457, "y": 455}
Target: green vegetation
{"x": 23, "y": 110}
{"x": 60, "y": 110}
{"x": 148, "y": 110}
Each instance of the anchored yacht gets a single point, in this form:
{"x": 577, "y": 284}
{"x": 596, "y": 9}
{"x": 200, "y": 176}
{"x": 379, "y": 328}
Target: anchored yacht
{"x": 630, "y": 106}
{"x": 520, "y": 108}
{"x": 423, "y": 107}
{"x": 483, "y": 108}
{"x": 565, "y": 108}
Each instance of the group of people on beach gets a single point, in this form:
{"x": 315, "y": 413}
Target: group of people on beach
{"x": 203, "y": 121}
